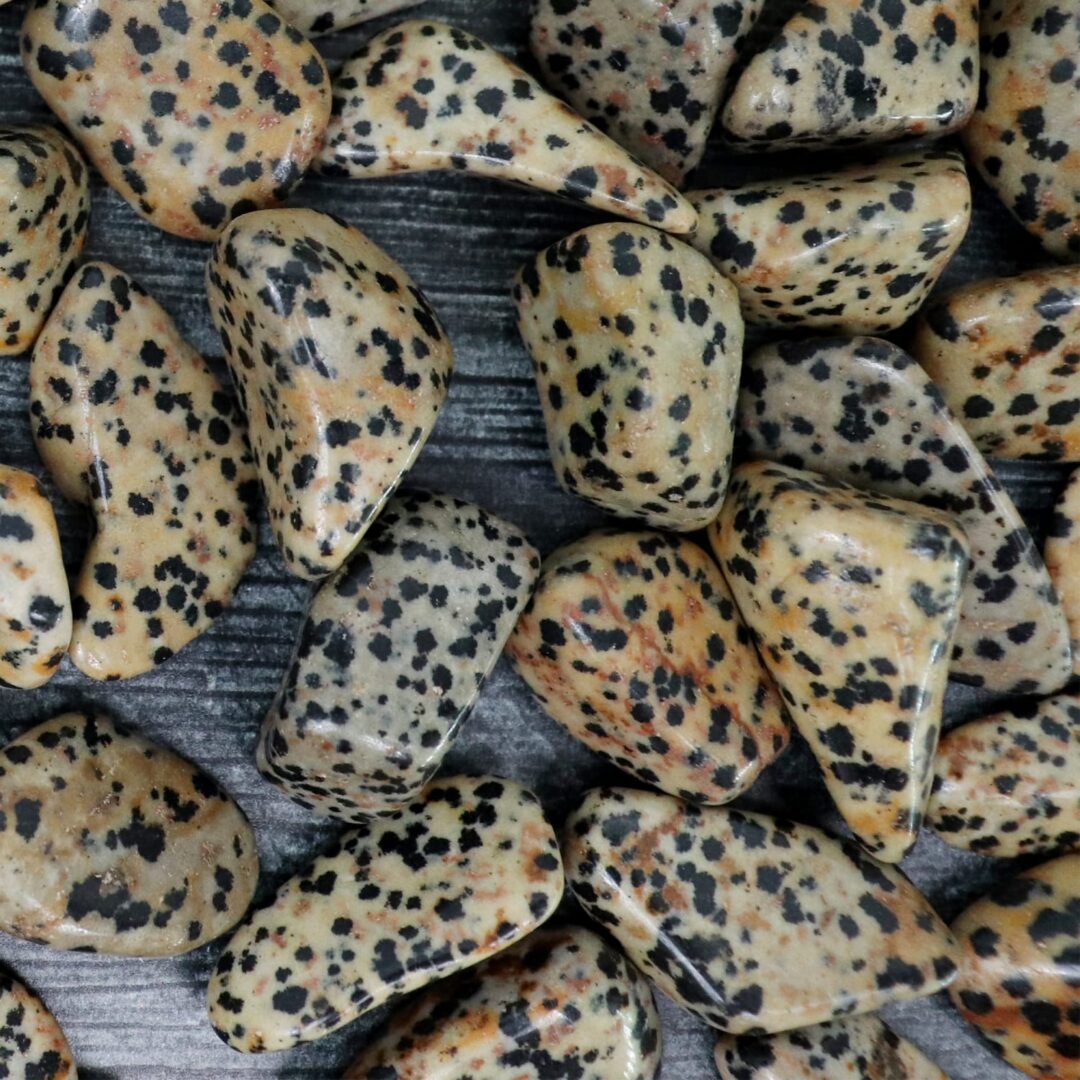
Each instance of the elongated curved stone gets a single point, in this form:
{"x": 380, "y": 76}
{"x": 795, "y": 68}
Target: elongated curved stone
{"x": 1009, "y": 784}
{"x": 423, "y": 96}
{"x": 341, "y": 366}
{"x": 318, "y": 17}
{"x": 562, "y": 1003}
{"x": 44, "y": 218}
{"x": 110, "y": 843}
{"x": 636, "y": 344}
{"x": 863, "y": 411}
{"x": 393, "y": 654}
{"x": 193, "y": 113}
{"x": 129, "y": 419}
{"x": 462, "y": 873}
{"x": 753, "y": 923}
{"x": 1006, "y": 355}
{"x": 1062, "y": 554}
{"x": 633, "y": 643}
{"x": 1018, "y": 981}
{"x": 35, "y": 607}
{"x": 858, "y": 248}
{"x": 32, "y": 1043}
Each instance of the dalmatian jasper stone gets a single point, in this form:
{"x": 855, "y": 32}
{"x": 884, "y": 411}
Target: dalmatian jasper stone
{"x": 636, "y": 343}
{"x": 194, "y": 113}
{"x": 861, "y": 410}
{"x": 424, "y": 96}
{"x": 130, "y": 420}
{"x": 393, "y": 654}
{"x": 1023, "y": 137}
{"x": 323, "y": 16}
{"x": 756, "y": 925}
{"x": 35, "y": 608}
{"x": 110, "y": 843}
{"x": 853, "y": 600}
{"x": 44, "y": 217}
{"x": 32, "y": 1044}
{"x": 649, "y": 73}
{"x": 562, "y": 1003}
{"x": 633, "y": 643}
{"x": 341, "y": 366}
{"x": 1062, "y": 554}
{"x": 1018, "y": 977}
{"x": 858, "y": 248}
{"x": 464, "y": 872}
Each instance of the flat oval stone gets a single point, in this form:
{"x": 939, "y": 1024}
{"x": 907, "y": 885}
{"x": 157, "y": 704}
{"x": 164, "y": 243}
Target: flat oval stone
{"x": 341, "y": 366}
{"x": 425, "y": 96}
{"x": 861, "y": 410}
{"x": 32, "y": 1043}
{"x": 1062, "y": 554}
{"x": 464, "y": 872}
{"x": 111, "y": 843}
{"x": 193, "y": 113}
{"x": 324, "y": 16}
{"x": 1018, "y": 981}
{"x": 562, "y": 1003}
{"x": 752, "y": 923}
{"x": 1009, "y": 784}
{"x": 35, "y": 608}
{"x": 44, "y": 218}
{"x": 858, "y": 248}
{"x": 634, "y": 644}
{"x": 853, "y": 601}
{"x": 1006, "y": 355}
{"x": 130, "y": 420}
{"x": 636, "y": 344}
{"x": 393, "y": 654}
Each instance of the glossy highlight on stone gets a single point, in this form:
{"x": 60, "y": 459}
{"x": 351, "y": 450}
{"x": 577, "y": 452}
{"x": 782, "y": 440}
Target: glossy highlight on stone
{"x": 318, "y": 17}
{"x": 32, "y": 1043}
{"x": 1062, "y": 554}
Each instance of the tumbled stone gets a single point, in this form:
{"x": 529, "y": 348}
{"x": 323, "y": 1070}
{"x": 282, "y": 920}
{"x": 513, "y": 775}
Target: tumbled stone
{"x": 753, "y": 923}
{"x": 861, "y": 410}
{"x": 425, "y": 96}
{"x": 462, "y": 873}
{"x": 1062, "y": 554}
{"x": 563, "y": 1003}
{"x": 853, "y": 601}
{"x": 318, "y": 17}
{"x": 341, "y": 366}
{"x": 193, "y": 113}
{"x": 1006, "y": 356}
{"x": 393, "y": 654}
{"x": 1009, "y": 784}
{"x": 1018, "y": 981}
{"x": 1023, "y": 137}
{"x": 632, "y": 642}
{"x": 32, "y": 1043}
{"x": 45, "y": 205}
{"x": 636, "y": 343}
{"x": 35, "y": 608}
{"x": 111, "y": 843}
{"x": 858, "y": 248}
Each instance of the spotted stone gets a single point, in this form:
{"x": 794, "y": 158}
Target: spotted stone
{"x": 1062, "y": 554}
{"x": 323, "y": 16}
{"x": 393, "y": 654}
{"x": 32, "y": 1043}
{"x": 130, "y": 420}
{"x": 341, "y": 366}
{"x": 425, "y": 96}
{"x": 636, "y": 344}
{"x": 861, "y": 410}
{"x": 858, "y": 248}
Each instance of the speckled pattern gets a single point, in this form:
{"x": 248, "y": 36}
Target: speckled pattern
{"x": 563, "y": 1003}
{"x": 460, "y": 874}
{"x": 1018, "y": 978}
{"x": 1062, "y": 554}
{"x": 194, "y": 113}
{"x": 636, "y": 344}
{"x": 633, "y": 643}
{"x": 753, "y": 923}
{"x": 649, "y": 73}
{"x": 861, "y": 410}
{"x": 35, "y": 608}
{"x": 341, "y": 366}
{"x": 32, "y": 1044}
{"x": 393, "y": 654}
{"x": 424, "y": 95}
{"x": 1024, "y": 136}
{"x": 318, "y": 17}
{"x": 130, "y": 420}
{"x": 111, "y": 843}
{"x": 44, "y": 217}
{"x": 858, "y": 248}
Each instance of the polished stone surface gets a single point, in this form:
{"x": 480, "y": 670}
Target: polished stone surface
{"x": 1062, "y": 554}
{"x": 32, "y": 1043}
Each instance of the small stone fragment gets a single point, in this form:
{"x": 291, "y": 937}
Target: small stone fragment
{"x": 32, "y": 1043}
{"x": 1062, "y": 554}
{"x": 318, "y": 17}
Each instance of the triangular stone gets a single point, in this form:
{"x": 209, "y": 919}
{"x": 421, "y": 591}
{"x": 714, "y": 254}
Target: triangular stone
{"x": 32, "y": 1043}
